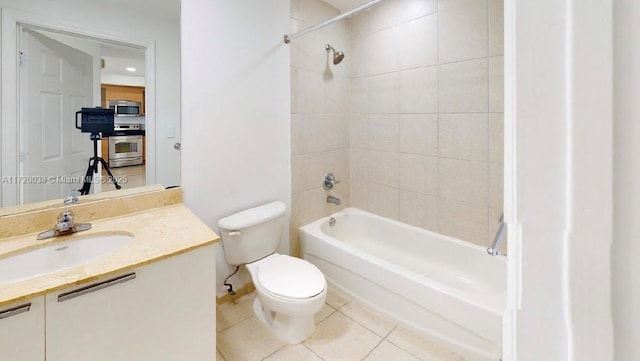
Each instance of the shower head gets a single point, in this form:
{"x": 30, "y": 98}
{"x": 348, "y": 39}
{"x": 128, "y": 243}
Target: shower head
{"x": 337, "y": 55}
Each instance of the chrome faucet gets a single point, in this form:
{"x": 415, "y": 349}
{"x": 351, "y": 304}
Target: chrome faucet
{"x": 65, "y": 224}
{"x": 494, "y": 248}
{"x": 72, "y": 198}
{"x": 334, "y": 200}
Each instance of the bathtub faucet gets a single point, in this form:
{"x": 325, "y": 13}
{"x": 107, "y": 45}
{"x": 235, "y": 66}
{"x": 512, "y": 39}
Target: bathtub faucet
{"x": 334, "y": 200}
{"x": 494, "y": 248}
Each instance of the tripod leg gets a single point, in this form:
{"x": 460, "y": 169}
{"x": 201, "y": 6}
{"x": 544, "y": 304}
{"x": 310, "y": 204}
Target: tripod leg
{"x": 86, "y": 185}
{"x": 106, "y": 167}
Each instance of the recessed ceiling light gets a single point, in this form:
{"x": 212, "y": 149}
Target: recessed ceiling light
{"x": 131, "y": 69}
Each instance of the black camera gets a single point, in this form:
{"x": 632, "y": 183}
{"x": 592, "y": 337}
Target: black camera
{"x": 96, "y": 121}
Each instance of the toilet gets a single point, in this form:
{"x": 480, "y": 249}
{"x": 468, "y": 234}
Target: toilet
{"x": 290, "y": 290}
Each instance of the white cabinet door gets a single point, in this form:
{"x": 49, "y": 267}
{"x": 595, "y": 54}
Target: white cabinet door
{"x": 22, "y": 331}
{"x": 161, "y": 311}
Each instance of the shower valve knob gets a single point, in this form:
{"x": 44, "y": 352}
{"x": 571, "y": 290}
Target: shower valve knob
{"x": 329, "y": 181}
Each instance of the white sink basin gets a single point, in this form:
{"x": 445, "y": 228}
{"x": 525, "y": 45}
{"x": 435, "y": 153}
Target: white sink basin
{"x": 60, "y": 256}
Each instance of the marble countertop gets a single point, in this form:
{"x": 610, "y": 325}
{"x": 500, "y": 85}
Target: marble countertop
{"x": 159, "y": 233}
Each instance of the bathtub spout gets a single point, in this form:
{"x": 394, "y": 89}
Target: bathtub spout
{"x": 334, "y": 200}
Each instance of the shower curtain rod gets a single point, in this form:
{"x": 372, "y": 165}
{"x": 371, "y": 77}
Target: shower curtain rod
{"x": 288, "y": 38}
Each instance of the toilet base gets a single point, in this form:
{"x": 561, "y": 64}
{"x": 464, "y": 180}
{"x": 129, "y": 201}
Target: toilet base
{"x": 288, "y": 329}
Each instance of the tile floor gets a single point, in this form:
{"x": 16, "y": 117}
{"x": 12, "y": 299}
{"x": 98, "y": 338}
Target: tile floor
{"x": 135, "y": 176}
{"x": 346, "y": 331}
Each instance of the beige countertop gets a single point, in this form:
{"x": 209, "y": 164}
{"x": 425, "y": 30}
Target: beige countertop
{"x": 159, "y": 233}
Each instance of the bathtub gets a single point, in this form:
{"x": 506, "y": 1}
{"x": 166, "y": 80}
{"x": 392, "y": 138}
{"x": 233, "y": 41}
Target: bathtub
{"x": 449, "y": 289}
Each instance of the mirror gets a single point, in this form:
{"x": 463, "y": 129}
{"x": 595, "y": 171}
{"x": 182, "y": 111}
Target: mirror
{"x": 60, "y": 68}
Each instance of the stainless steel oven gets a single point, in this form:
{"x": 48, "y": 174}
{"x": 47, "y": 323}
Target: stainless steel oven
{"x": 125, "y": 150}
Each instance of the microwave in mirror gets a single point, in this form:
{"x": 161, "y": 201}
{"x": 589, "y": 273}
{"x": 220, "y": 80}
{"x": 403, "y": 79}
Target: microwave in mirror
{"x": 126, "y": 108}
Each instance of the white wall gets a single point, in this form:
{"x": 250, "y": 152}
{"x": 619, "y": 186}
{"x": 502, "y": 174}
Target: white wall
{"x": 562, "y": 115}
{"x": 235, "y": 109}
{"x": 110, "y": 20}
{"x": 626, "y": 246}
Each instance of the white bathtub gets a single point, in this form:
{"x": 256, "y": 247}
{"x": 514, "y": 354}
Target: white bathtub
{"x": 448, "y": 288}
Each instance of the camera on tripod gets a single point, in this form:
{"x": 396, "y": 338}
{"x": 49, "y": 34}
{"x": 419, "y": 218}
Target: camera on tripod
{"x": 98, "y": 122}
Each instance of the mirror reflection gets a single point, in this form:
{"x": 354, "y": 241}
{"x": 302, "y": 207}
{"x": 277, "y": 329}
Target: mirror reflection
{"x": 59, "y": 71}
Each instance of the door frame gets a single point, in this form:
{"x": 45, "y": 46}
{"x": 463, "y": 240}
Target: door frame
{"x": 560, "y": 226}
{"x": 10, "y": 114}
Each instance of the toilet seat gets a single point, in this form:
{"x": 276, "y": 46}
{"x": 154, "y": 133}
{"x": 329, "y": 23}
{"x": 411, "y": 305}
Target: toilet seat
{"x": 290, "y": 278}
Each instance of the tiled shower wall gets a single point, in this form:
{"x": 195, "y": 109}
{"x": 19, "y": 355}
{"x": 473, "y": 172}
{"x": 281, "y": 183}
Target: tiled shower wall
{"x": 320, "y": 114}
{"x": 411, "y": 121}
{"x": 426, "y": 114}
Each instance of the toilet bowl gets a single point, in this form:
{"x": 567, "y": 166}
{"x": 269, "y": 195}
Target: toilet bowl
{"x": 290, "y": 291}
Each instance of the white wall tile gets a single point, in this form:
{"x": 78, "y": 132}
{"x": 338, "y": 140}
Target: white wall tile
{"x": 384, "y": 168}
{"x": 383, "y": 16}
{"x": 463, "y": 136}
{"x": 496, "y": 84}
{"x": 464, "y": 221}
{"x": 310, "y": 133}
{"x": 359, "y": 164}
{"x": 384, "y": 200}
{"x": 463, "y": 32}
{"x": 496, "y": 138}
{"x": 419, "y": 90}
{"x": 419, "y": 173}
{"x": 336, "y": 96}
{"x": 383, "y": 132}
{"x": 359, "y": 193}
{"x": 496, "y": 185}
{"x": 496, "y": 27}
{"x": 310, "y": 92}
{"x": 359, "y": 25}
{"x": 413, "y": 9}
{"x": 336, "y": 162}
{"x": 463, "y": 87}
{"x": 417, "y": 43}
{"x": 310, "y": 170}
{"x": 315, "y": 11}
{"x": 359, "y": 57}
{"x": 295, "y": 134}
{"x": 296, "y": 174}
{"x": 418, "y": 134}
{"x": 463, "y": 180}
{"x": 419, "y": 210}
{"x": 453, "y": 4}
{"x": 359, "y": 96}
{"x": 359, "y": 131}
{"x": 384, "y": 93}
{"x": 294, "y": 90}
{"x": 383, "y": 51}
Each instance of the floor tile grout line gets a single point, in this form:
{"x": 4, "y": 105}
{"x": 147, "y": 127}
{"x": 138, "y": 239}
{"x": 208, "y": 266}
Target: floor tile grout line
{"x": 313, "y": 352}
{"x": 359, "y": 323}
{"x": 274, "y": 352}
{"x": 405, "y": 350}
{"x": 220, "y": 352}
{"x": 374, "y": 347}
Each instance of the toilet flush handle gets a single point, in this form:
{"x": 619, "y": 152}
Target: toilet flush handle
{"x": 234, "y": 233}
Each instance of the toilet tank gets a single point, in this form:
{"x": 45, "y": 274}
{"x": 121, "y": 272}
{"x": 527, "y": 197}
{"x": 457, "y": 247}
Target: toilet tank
{"x": 252, "y": 234}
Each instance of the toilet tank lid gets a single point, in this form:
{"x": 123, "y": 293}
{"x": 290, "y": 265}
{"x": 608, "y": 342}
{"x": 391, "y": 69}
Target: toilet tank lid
{"x": 253, "y": 216}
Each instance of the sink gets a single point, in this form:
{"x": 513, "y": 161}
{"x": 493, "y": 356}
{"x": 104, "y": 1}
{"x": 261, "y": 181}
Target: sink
{"x": 60, "y": 256}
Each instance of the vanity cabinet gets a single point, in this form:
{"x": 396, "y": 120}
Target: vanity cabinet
{"x": 160, "y": 311}
{"x": 22, "y": 331}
